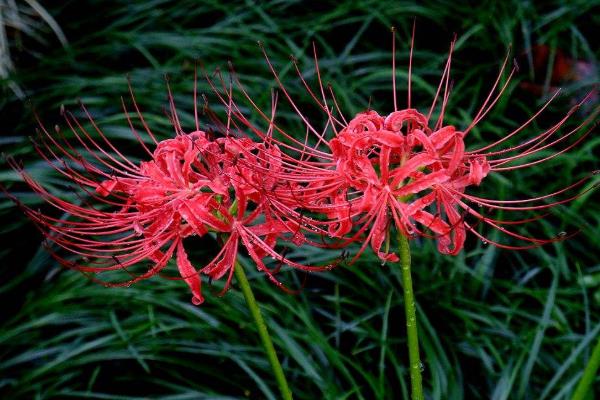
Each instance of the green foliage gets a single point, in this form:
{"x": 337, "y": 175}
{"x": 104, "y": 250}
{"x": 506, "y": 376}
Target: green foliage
{"x": 494, "y": 324}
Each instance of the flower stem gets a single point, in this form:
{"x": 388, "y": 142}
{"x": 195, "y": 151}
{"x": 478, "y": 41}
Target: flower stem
{"x": 411, "y": 321}
{"x": 263, "y": 332}
{"x": 589, "y": 374}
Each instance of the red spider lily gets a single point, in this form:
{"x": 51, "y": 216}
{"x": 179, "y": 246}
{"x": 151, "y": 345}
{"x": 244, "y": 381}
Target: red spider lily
{"x": 404, "y": 169}
{"x": 142, "y": 212}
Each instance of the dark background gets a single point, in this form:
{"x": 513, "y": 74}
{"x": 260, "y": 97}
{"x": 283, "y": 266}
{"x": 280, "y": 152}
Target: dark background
{"x": 494, "y": 323}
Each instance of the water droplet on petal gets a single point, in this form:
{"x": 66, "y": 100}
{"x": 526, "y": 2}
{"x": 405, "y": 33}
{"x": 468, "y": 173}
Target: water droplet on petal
{"x": 298, "y": 239}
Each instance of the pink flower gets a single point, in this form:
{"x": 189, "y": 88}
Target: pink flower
{"x": 404, "y": 169}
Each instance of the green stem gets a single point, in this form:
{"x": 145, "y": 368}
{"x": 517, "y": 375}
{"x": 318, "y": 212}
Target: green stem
{"x": 263, "y": 332}
{"x": 416, "y": 379}
{"x": 589, "y": 374}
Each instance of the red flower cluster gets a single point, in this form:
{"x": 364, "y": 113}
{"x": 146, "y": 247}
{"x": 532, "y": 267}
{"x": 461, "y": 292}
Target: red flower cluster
{"x": 143, "y": 212}
{"x": 400, "y": 167}
{"x": 376, "y": 171}
{"x": 404, "y": 169}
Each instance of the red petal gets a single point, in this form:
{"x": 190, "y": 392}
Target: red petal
{"x": 189, "y": 274}
{"x": 106, "y": 187}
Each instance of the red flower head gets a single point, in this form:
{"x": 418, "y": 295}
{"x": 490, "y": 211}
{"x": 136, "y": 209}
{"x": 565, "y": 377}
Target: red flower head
{"x": 403, "y": 169}
{"x": 142, "y": 212}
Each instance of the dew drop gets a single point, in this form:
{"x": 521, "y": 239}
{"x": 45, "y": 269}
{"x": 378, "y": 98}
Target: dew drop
{"x": 298, "y": 239}
{"x": 484, "y": 242}
{"x": 562, "y": 234}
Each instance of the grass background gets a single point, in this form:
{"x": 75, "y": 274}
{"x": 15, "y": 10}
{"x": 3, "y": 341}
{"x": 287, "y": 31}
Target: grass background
{"x": 494, "y": 324}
